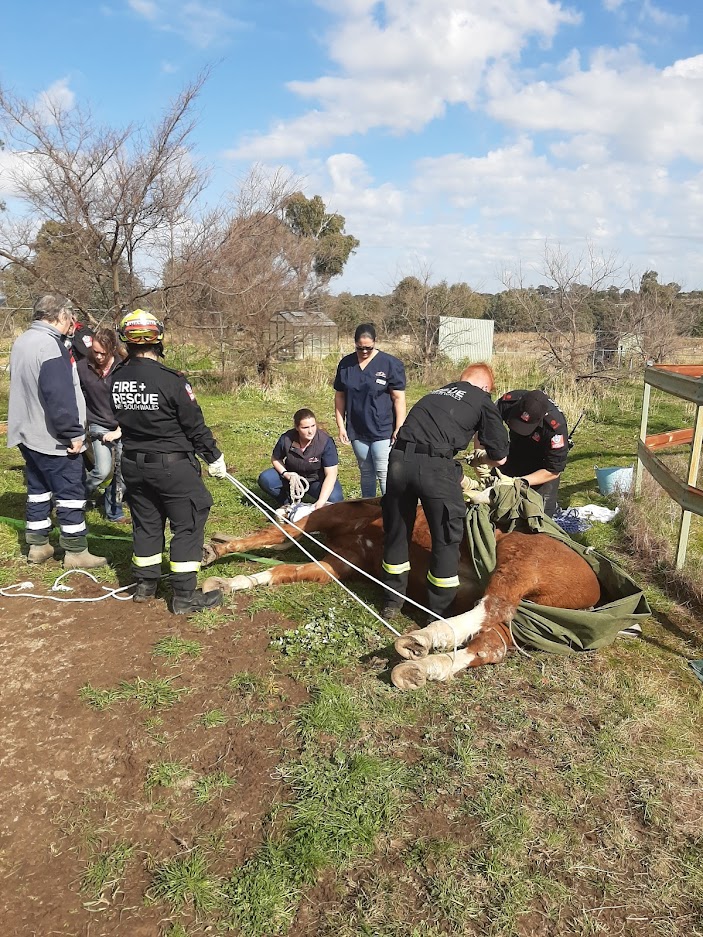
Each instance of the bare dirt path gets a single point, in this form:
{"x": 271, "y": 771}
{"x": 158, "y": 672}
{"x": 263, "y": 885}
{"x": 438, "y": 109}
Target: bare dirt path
{"x": 72, "y": 778}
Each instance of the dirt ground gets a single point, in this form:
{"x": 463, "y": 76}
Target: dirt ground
{"x": 72, "y": 777}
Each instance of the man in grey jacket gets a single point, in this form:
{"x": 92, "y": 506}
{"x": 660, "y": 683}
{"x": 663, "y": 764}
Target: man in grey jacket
{"x": 46, "y": 421}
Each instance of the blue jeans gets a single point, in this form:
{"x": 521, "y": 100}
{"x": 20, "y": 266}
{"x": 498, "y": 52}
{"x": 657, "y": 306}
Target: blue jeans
{"x": 103, "y": 453}
{"x": 277, "y": 486}
{"x": 372, "y": 457}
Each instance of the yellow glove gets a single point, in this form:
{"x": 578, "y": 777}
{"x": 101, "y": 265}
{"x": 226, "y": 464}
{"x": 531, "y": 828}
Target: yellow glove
{"x": 468, "y": 484}
{"x": 502, "y": 479}
{"x": 481, "y": 470}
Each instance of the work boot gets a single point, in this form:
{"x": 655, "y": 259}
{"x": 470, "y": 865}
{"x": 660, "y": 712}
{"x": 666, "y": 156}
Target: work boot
{"x": 391, "y": 612}
{"x": 83, "y": 560}
{"x": 40, "y": 553}
{"x": 187, "y": 603}
{"x": 146, "y": 589}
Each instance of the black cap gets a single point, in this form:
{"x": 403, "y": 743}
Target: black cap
{"x": 528, "y": 413}
{"x": 82, "y": 339}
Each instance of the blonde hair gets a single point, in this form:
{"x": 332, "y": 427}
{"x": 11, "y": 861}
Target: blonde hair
{"x": 480, "y": 373}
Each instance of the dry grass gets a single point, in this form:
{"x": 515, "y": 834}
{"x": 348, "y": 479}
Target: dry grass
{"x": 649, "y": 526}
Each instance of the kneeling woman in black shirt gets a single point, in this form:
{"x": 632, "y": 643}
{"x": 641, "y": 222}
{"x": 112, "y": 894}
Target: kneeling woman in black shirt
{"x": 307, "y": 451}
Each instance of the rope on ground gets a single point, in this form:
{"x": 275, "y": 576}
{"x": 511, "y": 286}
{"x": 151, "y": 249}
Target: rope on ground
{"x": 270, "y": 514}
{"x": 58, "y": 586}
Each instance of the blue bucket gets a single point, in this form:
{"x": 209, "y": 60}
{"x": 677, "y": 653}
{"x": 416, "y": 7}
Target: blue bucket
{"x": 612, "y": 481}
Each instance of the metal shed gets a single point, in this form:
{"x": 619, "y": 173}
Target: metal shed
{"x": 465, "y": 339}
{"x": 303, "y": 333}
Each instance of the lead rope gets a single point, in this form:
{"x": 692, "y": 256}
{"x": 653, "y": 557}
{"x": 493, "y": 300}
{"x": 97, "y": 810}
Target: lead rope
{"x": 269, "y": 513}
{"x": 298, "y": 486}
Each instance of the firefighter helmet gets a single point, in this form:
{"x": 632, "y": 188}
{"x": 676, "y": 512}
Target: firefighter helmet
{"x": 140, "y": 328}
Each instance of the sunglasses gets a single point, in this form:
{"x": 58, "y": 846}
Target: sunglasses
{"x": 364, "y": 347}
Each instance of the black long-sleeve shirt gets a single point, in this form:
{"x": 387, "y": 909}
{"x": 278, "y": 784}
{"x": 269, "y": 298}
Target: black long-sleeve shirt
{"x": 448, "y": 418}
{"x": 157, "y": 410}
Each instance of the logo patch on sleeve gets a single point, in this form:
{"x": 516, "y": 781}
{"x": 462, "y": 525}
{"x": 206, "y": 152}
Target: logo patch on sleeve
{"x": 189, "y": 391}
{"x": 557, "y": 442}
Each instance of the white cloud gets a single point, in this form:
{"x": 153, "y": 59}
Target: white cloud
{"x": 146, "y": 8}
{"x": 401, "y": 71}
{"x": 11, "y": 163}
{"x": 56, "y": 98}
{"x": 612, "y": 5}
{"x": 646, "y": 113}
{"x": 660, "y": 18}
{"x": 203, "y": 24}
{"x": 467, "y": 218}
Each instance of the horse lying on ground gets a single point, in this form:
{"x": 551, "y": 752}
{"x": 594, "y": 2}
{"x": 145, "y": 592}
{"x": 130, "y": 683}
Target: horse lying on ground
{"x": 533, "y": 566}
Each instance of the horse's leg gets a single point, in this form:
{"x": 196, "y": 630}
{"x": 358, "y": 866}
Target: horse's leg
{"x": 442, "y": 635}
{"x": 270, "y": 537}
{"x": 345, "y": 517}
{"x": 490, "y": 646}
{"x": 278, "y": 575}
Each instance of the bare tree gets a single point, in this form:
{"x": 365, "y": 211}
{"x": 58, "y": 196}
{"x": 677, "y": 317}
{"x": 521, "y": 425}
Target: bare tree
{"x": 118, "y": 194}
{"x": 560, "y": 311}
{"x": 654, "y": 316}
{"x": 249, "y": 265}
{"x": 414, "y": 311}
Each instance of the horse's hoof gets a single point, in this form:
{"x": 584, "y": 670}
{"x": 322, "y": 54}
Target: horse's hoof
{"x": 414, "y": 674}
{"x": 209, "y": 555}
{"x": 227, "y": 585}
{"x": 414, "y": 645}
{"x": 409, "y": 675}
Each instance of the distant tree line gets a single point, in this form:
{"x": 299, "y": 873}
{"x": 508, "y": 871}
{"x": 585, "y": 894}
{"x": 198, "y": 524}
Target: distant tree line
{"x": 578, "y": 315}
{"x": 116, "y": 217}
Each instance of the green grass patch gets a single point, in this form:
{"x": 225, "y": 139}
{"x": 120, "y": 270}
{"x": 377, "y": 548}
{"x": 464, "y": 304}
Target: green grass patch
{"x": 342, "y": 804}
{"x": 105, "y": 869}
{"x": 213, "y": 718}
{"x": 158, "y": 693}
{"x": 166, "y": 774}
{"x": 175, "y": 649}
{"x": 209, "y": 786}
{"x": 187, "y": 882}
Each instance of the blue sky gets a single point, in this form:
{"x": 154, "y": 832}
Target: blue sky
{"x": 456, "y": 136}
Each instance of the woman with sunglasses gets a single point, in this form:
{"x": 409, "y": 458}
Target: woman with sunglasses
{"x": 369, "y": 404}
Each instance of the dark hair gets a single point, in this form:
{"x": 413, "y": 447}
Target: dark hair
{"x": 303, "y": 414}
{"x": 366, "y": 328}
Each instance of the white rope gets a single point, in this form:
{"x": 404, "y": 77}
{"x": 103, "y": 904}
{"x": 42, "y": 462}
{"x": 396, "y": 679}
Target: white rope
{"x": 298, "y": 486}
{"x": 21, "y": 588}
{"x": 266, "y": 509}
{"x": 275, "y": 520}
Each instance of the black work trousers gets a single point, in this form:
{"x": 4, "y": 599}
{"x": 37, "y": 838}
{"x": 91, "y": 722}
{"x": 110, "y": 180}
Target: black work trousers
{"x": 549, "y": 491}
{"x": 163, "y": 490}
{"x": 436, "y": 483}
